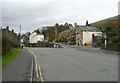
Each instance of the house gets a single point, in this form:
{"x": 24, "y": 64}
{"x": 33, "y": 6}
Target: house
{"x": 87, "y": 34}
{"x": 35, "y": 37}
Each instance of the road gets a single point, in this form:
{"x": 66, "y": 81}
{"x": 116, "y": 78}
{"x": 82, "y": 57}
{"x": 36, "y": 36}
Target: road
{"x": 76, "y": 64}
{"x": 19, "y": 69}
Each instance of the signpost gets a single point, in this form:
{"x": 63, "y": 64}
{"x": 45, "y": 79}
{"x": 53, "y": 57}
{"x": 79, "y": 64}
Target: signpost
{"x": 105, "y": 36}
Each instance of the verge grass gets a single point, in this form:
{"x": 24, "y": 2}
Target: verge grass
{"x": 9, "y": 56}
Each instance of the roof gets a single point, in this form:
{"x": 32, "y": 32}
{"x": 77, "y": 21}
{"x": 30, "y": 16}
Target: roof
{"x": 89, "y": 28}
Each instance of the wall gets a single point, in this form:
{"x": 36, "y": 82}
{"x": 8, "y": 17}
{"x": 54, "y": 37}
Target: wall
{"x": 113, "y": 47}
{"x": 31, "y": 37}
{"x": 34, "y": 38}
{"x": 87, "y": 36}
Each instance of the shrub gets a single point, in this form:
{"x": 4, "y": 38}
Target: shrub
{"x": 6, "y": 44}
{"x": 102, "y": 39}
{"x": 57, "y": 39}
{"x": 114, "y": 39}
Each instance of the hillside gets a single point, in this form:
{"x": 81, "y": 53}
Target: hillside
{"x": 110, "y": 22}
{"x": 65, "y": 33}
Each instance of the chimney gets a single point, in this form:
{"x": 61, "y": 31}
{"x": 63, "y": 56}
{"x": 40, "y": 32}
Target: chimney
{"x": 75, "y": 24}
{"x": 87, "y": 23}
{"x": 12, "y": 30}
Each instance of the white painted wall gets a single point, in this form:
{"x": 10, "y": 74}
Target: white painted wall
{"x": 34, "y": 38}
{"x": 31, "y": 36}
{"x": 22, "y": 40}
{"x": 87, "y": 36}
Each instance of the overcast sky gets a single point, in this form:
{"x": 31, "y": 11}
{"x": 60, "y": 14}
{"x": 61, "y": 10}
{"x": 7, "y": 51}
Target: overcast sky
{"x": 33, "y": 14}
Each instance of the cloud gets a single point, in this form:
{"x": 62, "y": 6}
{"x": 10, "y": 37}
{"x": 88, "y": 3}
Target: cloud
{"x": 32, "y": 15}
{"x": 119, "y": 8}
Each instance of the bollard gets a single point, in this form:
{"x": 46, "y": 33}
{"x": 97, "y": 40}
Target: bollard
{"x": 54, "y": 45}
{"x": 57, "y": 46}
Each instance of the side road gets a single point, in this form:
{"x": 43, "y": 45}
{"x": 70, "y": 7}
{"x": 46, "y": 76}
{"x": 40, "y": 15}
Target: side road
{"x": 89, "y": 48}
{"x": 20, "y": 69}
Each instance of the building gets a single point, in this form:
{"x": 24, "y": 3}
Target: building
{"x": 87, "y": 34}
{"x": 35, "y": 37}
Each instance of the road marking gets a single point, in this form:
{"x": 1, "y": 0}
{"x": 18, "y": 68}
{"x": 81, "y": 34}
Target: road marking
{"x": 37, "y": 67}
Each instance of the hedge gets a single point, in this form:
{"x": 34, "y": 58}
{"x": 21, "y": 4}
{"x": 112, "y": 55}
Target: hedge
{"x": 113, "y": 46}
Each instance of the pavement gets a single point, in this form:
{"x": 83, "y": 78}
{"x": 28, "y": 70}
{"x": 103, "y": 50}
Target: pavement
{"x": 19, "y": 69}
{"x": 76, "y": 64}
{"x": 111, "y": 52}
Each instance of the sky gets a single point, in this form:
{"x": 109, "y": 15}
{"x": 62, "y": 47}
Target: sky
{"x": 33, "y": 14}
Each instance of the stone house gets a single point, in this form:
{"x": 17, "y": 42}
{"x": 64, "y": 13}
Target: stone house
{"x": 87, "y": 34}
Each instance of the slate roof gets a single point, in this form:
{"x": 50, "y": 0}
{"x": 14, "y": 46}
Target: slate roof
{"x": 89, "y": 28}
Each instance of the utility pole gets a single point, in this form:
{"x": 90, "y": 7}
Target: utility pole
{"x": 20, "y": 36}
{"x": 20, "y": 29}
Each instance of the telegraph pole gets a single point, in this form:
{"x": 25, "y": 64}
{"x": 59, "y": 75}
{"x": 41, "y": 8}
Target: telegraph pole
{"x": 20, "y": 36}
{"x": 20, "y": 29}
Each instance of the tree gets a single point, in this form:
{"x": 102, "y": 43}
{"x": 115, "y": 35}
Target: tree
{"x": 66, "y": 26}
{"x": 56, "y": 25}
{"x": 49, "y": 31}
{"x": 7, "y": 27}
{"x": 37, "y": 31}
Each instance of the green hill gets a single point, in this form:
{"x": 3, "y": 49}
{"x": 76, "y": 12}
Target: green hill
{"x": 110, "y": 22}
{"x": 62, "y": 35}
{"x": 109, "y": 26}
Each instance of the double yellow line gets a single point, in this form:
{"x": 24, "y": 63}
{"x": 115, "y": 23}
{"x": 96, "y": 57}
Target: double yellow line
{"x": 37, "y": 68}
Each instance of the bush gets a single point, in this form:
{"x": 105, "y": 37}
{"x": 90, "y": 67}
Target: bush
{"x": 102, "y": 39}
{"x": 57, "y": 39}
{"x": 6, "y": 44}
{"x": 114, "y": 39}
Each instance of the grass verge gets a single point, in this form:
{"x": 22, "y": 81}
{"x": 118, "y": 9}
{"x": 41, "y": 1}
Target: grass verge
{"x": 9, "y": 56}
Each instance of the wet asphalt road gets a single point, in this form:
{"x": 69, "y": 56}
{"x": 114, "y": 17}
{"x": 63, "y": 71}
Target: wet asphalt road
{"x": 19, "y": 69}
{"x": 76, "y": 64}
